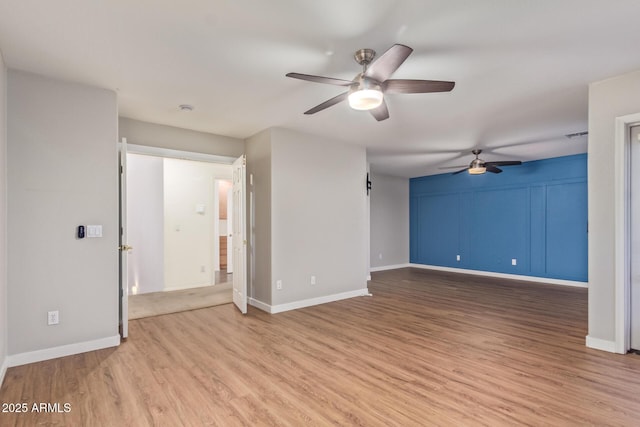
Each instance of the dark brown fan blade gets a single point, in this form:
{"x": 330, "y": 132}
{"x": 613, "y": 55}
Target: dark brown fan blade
{"x": 382, "y": 68}
{"x": 460, "y": 171}
{"x": 417, "y": 86}
{"x": 320, "y": 79}
{"x": 492, "y": 169}
{"x": 505, "y": 163}
{"x": 380, "y": 113}
{"x": 328, "y": 103}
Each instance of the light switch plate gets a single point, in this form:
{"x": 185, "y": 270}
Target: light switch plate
{"x": 94, "y": 231}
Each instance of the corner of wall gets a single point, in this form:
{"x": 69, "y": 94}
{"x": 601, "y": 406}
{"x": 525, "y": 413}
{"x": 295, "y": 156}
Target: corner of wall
{"x": 258, "y": 153}
{"x": 4, "y": 328}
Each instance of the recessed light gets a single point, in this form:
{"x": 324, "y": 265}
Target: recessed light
{"x": 185, "y": 107}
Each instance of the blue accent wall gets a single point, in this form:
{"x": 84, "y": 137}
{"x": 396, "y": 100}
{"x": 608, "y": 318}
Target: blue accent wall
{"x": 535, "y": 213}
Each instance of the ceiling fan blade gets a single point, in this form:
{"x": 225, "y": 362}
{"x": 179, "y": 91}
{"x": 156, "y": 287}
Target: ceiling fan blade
{"x": 382, "y": 68}
{"x": 460, "y": 171}
{"x": 320, "y": 79}
{"x": 492, "y": 169}
{"x": 380, "y": 113}
{"x": 505, "y": 163}
{"x": 328, "y": 103}
{"x": 417, "y": 86}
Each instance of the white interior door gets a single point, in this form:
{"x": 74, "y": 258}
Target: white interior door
{"x": 239, "y": 239}
{"x": 123, "y": 247}
{"x": 635, "y": 237}
{"x": 230, "y": 231}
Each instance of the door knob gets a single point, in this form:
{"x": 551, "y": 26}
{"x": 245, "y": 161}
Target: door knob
{"x": 123, "y": 248}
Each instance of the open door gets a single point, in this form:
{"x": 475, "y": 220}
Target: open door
{"x": 229, "y": 231}
{"x": 123, "y": 247}
{"x": 239, "y": 239}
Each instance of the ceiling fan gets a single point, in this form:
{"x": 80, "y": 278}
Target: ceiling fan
{"x": 479, "y": 166}
{"x": 368, "y": 88}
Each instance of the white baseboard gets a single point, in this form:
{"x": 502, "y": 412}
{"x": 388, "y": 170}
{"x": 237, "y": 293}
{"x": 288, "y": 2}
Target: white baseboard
{"x": 280, "y": 308}
{"x": 503, "y": 275}
{"x": 389, "y": 267}
{"x": 259, "y": 304}
{"x": 61, "y": 351}
{"x": 599, "y": 344}
{"x": 3, "y": 369}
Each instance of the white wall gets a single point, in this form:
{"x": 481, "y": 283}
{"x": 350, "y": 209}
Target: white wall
{"x": 319, "y": 217}
{"x": 3, "y": 219}
{"x": 258, "y": 151}
{"x": 154, "y": 135}
{"x": 189, "y": 235}
{"x": 62, "y": 172}
{"x": 145, "y": 223}
{"x": 389, "y": 220}
{"x": 608, "y": 99}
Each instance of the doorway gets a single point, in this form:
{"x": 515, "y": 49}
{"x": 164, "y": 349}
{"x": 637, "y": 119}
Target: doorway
{"x": 175, "y": 231}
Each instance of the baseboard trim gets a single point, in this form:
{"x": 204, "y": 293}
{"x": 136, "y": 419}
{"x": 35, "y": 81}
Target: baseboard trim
{"x": 389, "y": 267}
{"x": 61, "y": 351}
{"x": 280, "y": 308}
{"x": 504, "y": 275}
{"x": 259, "y": 305}
{"x": 3, "y": 369}
{"x": 600, "y": 344}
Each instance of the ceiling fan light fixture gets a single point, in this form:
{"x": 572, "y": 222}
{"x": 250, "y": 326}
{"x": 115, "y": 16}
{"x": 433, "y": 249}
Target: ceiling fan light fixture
{"x": 477, "y": 167}
{"x": 366, "y": 94}
{"x": 365, "y": 99}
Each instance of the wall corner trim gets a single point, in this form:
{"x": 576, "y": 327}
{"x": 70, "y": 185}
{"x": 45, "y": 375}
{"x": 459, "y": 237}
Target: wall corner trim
{"x": 280, "y": 308}
{"x": 3, "y": 369}
{"x": 504, "y": 275}
{"x": 61, "y": 351}
{"x": 600, "y": 344}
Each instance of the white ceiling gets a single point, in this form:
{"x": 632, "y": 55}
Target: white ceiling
{"x": 521, "y": 67}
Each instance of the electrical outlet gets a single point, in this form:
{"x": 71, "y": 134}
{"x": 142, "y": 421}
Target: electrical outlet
{"x": 53, "y": 317}
{"x": 457, "y": 257}
{"x": 202, "y": 269}
{"x": 313, "y": 280}
{"x": 514, "y": 261}
{"x": 279, "y": 285}
{"x": 380, "y": 255}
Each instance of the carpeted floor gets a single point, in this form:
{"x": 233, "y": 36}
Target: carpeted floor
{"x": 158, "y": 303}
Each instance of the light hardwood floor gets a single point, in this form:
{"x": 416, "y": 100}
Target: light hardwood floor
{"x": 428, "y": 348}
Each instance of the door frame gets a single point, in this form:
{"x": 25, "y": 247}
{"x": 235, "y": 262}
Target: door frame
{"x": 622, "y": 229}
{"x": 164, "y": 153}
{"x": 123, "y": 244}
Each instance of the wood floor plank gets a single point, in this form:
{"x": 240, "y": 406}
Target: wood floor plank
{"x": 428, "y": 348}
